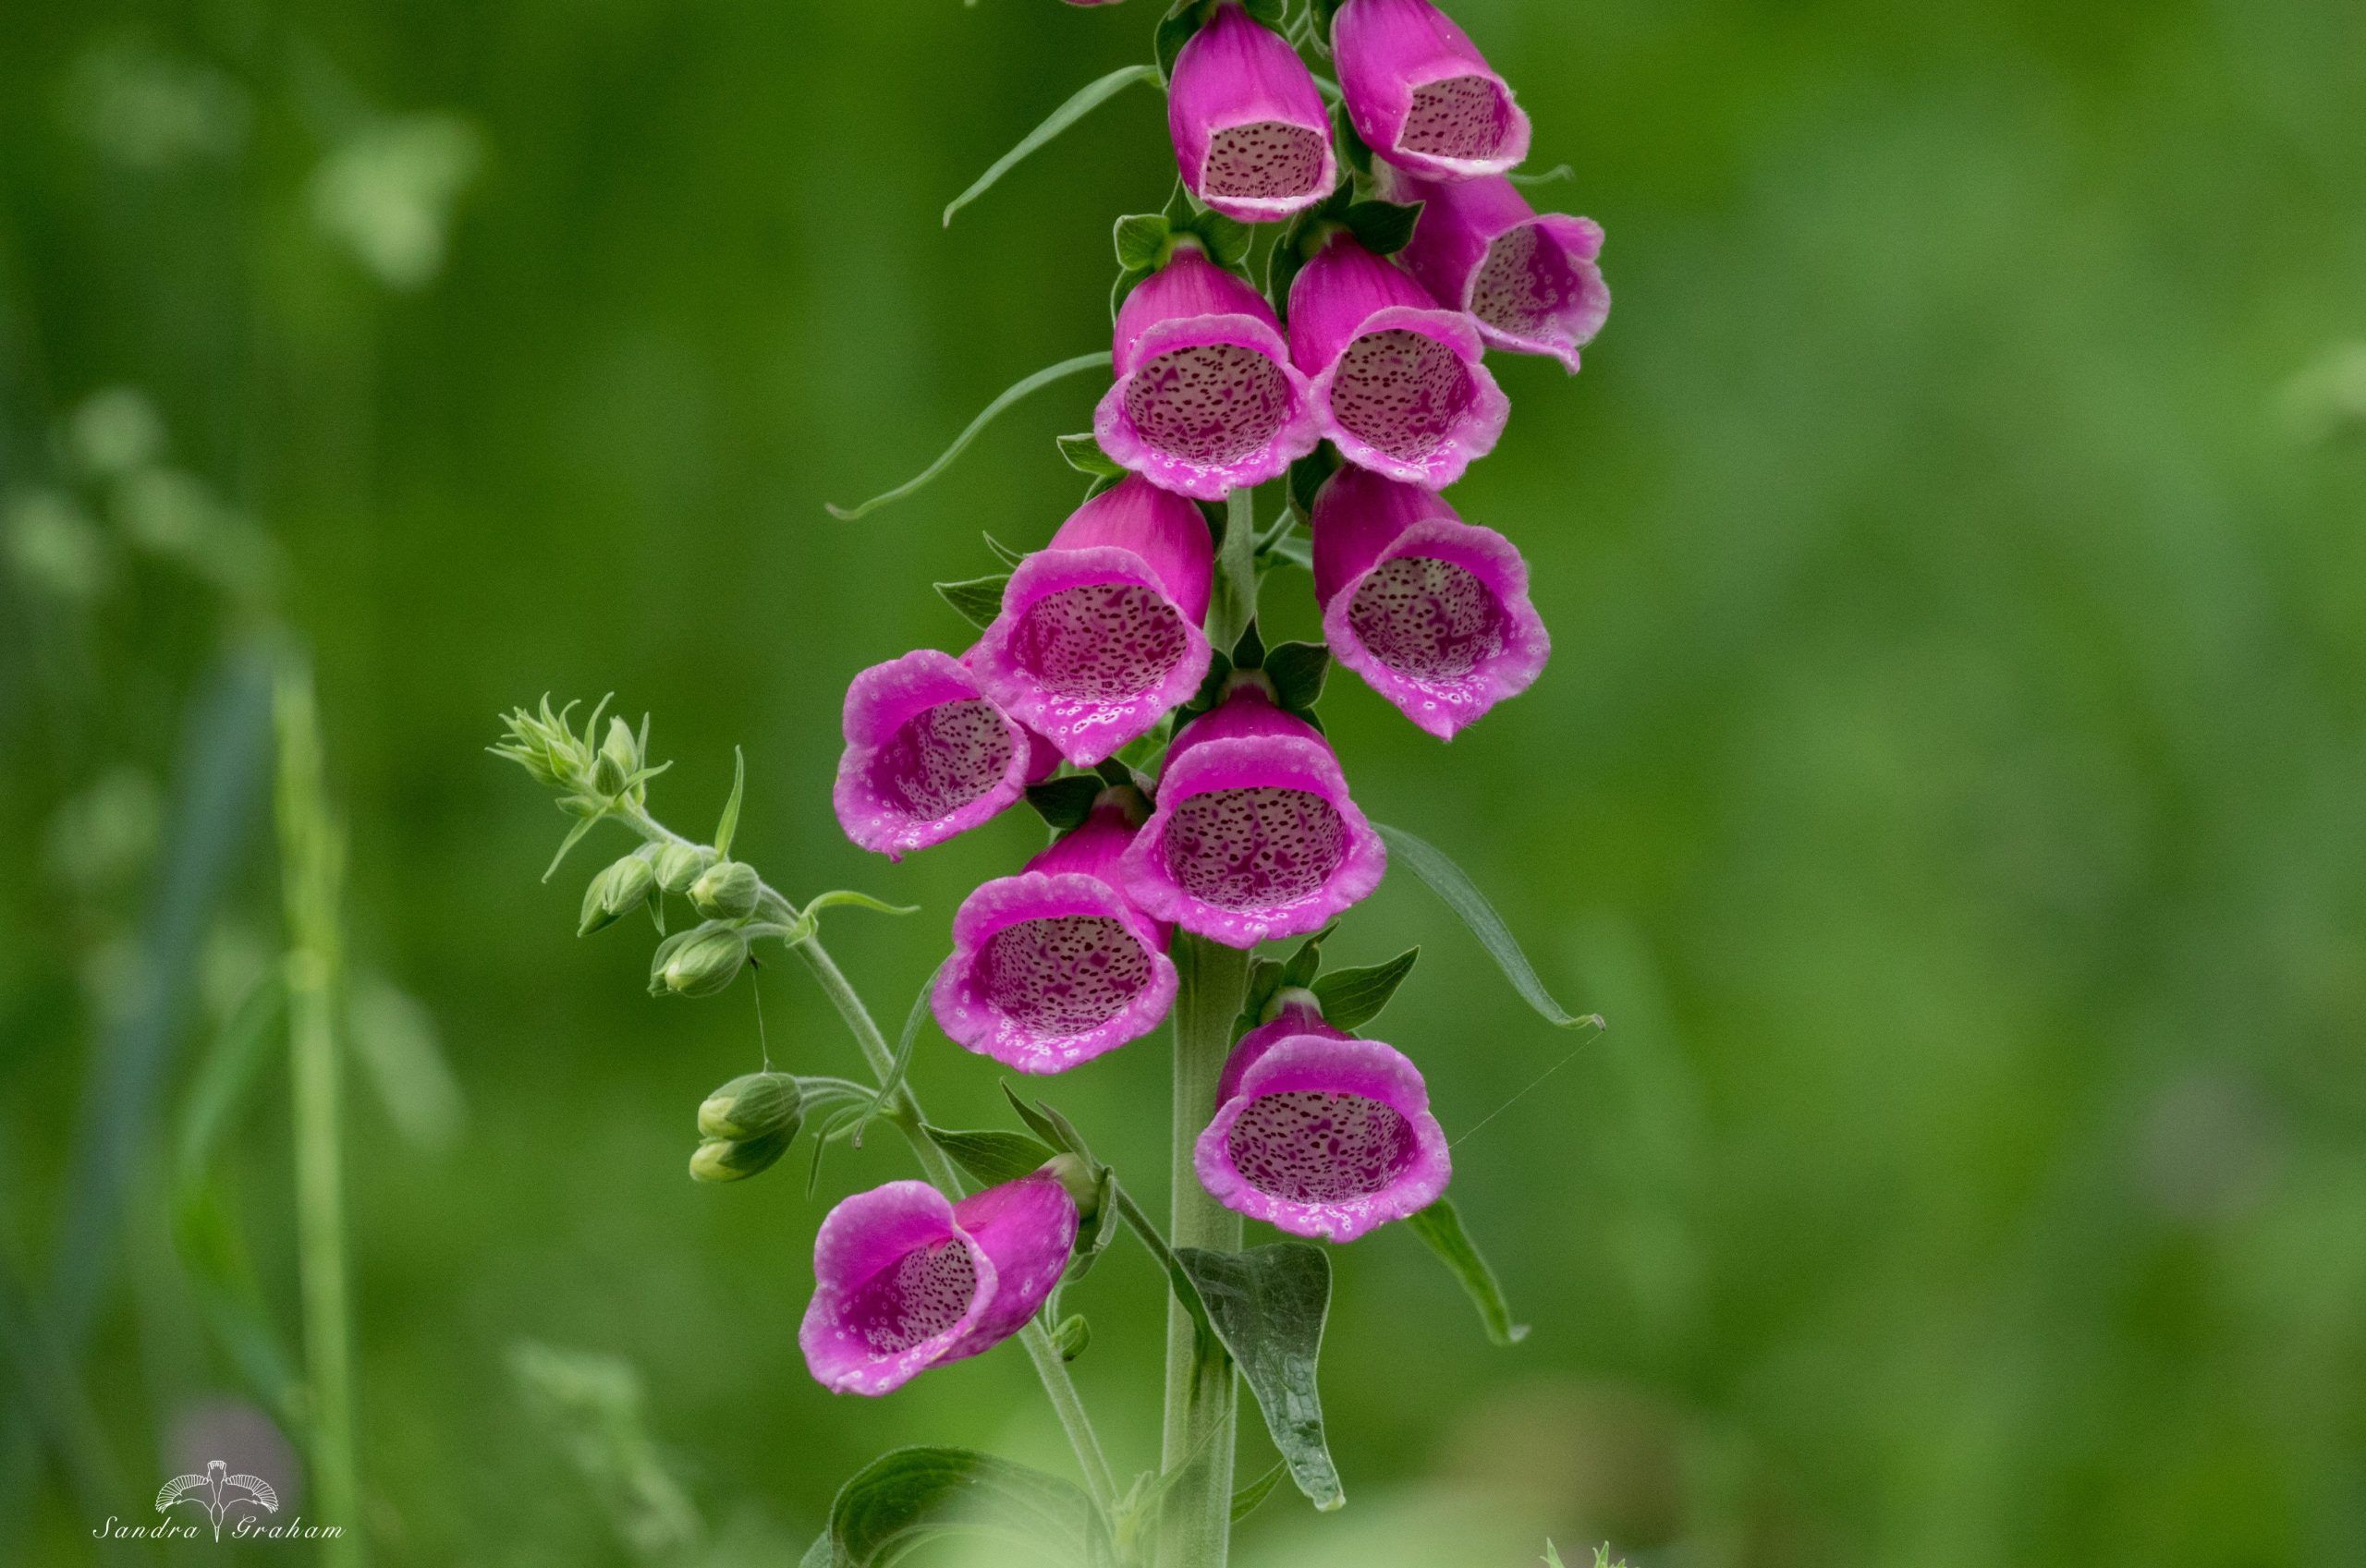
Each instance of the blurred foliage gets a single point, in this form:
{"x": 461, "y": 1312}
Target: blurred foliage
{"x": 1947, "y": 782}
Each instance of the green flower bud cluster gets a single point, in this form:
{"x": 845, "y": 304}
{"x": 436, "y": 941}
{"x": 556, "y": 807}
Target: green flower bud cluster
{"x": 600, "y": 775}
{"x": 747, "y": 1125}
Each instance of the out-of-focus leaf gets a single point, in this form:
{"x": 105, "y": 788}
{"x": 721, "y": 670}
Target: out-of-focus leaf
{"x": 903, "y": 1499}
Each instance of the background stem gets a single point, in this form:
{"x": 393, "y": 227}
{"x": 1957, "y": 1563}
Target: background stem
{"x": 1195, "y": 1526}
{"x": 312, "y": 874}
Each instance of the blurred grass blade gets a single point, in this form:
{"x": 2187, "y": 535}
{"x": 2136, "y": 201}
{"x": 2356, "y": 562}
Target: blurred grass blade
{"x": 993, "y": 410}
{"x": 398, "y": 1046}
{"x": 312, "y": 850}
{"x": 1441, "y": 1227}
{"x": 226, "y": 1076}
{"x": 595, "y": 1408}
{"x": 1450, "y": 882}
{"x": 1088, "y": 98}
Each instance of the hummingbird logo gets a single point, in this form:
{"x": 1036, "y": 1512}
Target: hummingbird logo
{"x": 217, "y": 1492}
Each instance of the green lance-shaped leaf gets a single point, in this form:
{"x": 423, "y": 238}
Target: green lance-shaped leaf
{"x": 1267, "y": 1305}
{"x": 977, "y": 601}
{"x": 992, "y": 1156}
{"x": 903, "y": 1499}
{"x": 1352, "y": 997}
{"x": 1441, "y": 1227}
{"x": 1087, "y": 99}
{"x": 1462, "y": 896}
{"x": 1016, "y": 392}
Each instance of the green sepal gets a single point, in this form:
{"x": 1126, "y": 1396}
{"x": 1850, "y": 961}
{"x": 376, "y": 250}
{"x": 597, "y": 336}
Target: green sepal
{"x": 1354, "y": 151}
{"x": 1003, "y": 552}
{"x": 1352, "y": 997}
{"x": 617, "y": 891}
{"x": 1071, "y": 1337}
{"x": 1175, "y": 30}
{"x": 1083, "y": 453}
{"x": 729, "y": 824}
{"x": 1265, "y": 980}
{"x": 1064, "y": 803}
{"x": 1384, "y": 227}
{"x": 1299, "y": 671}
{"x": 1308, "y": 476}
{"x": 698, "y": 962}
{"x": 1248, "y": 650}
{"x": 1306, "y": 960}
{"x": 1141, "y": 240}
{"x": 977, "y": 601}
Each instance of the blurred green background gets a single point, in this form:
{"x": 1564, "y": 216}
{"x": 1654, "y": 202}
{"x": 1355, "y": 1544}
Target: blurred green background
{"x": 1948, "y": 781}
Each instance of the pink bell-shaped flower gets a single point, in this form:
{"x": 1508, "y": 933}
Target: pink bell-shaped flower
{"x": 1531, "y": 282}
{"x": 1255, "y": 835}
{"x": 1252, "y": 136}
{"x": 1099, "y": 634}
{"x": 1431, "y": 611}
{"x": 1207, "y": 400}
{"x": 1055, "y": 966}
{"x": 1421, "y": 95}
{"x": 927, "y": 756}
{"x": 905, "y": 1279}
{"x": 1319, "y": 1133}
{"x": 1400, "y": 385}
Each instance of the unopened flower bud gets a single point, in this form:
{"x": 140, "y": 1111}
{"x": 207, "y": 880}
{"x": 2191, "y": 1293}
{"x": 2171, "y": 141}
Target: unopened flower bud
{"x": 734, "y": 1159}
{"x": 726, "y": 891}
{"x": 619, "y": 758}
{"x": 678, "y": 865}
{"x": 617, "y": 891}
{"x": 757, "y": 1105}
{"x": 1073, "y": 1334}
{"x": 1083, "y": 1184}
{"x": 698, "y": 962}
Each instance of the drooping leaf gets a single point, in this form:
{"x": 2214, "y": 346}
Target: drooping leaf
{"x": 1014, "y": 393}
{"x": 1352, "y": 997}
{"x": 1083, "y": 453}
{"x": 977, "y": 601}
{"x": 1086, "y": 99}
{"x": 1299, "y": 671}
{"x": 1462, "y": 896}
{"x": 1064, "y": 803}
{"x": 1441, "y": 1227}
{"x": 1267, "y": 1305}
{"x": 906, "y": 1499}
{"x": 992, "y": 1156}
{"x": 1245, "y": 1500}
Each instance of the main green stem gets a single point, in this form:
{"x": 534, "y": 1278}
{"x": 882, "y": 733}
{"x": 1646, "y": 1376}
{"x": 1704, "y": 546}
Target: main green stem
{"x": 1195, "y": 1526}
{"x": 1058, "y": 1387}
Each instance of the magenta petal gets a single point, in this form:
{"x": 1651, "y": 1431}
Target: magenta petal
{"x": 1531, "y": 283}
{"x": 1421, "y": 95}
{"x": 1099, "y": 634}
{"x": 1208, "y": 404}
{"x": 1252, "y": 136}
{"x": 1432, "y": 611}
{"x": 1324, "y": 1137}
{"x": 1410, "y": 396}
{"x": 1255, "y": 835}
{"x": 896, "y": 1287}
{"x": 1051, "y": 970}
{"x": 927, "y": 756}
{"x": 1026, "y": 1228}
